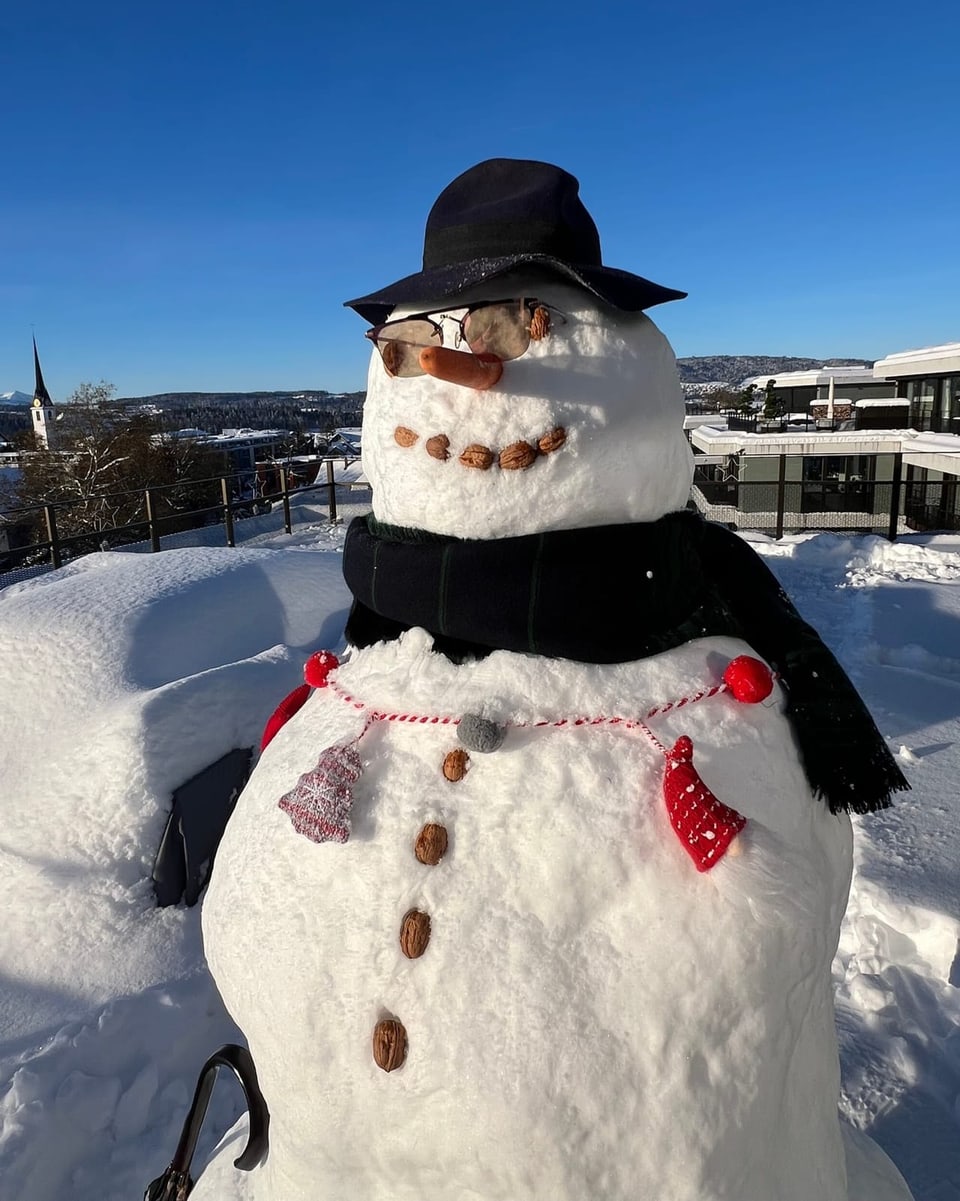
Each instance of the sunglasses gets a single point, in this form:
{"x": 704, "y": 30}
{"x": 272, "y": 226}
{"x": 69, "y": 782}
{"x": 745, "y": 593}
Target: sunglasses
{"x": 504, "y": 328}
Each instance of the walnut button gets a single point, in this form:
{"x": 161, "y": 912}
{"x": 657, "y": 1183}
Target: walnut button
{"x": 414, "y": 933}
{"x": 477, "y": 456}
{"x": 431, "y": 844}
{"x": 438, "y": 447}
{"x": 455, "y": 765}
{"x": 389, "y": 1044}
{"x": 552, "y": 441}
{"x": 403, "y": 436}
{"x": 518, "y": 456}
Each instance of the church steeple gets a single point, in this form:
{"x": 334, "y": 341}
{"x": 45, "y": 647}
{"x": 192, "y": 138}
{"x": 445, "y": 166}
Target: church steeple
{"x": 44, "y": 414}
{"x": 40, "y": 394}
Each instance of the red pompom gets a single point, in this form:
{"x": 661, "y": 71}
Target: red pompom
{"x": 318, "y": 667}
{"x": 748, "y": 679}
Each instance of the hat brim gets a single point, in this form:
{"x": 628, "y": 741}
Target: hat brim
{"x": 621, "y": 289}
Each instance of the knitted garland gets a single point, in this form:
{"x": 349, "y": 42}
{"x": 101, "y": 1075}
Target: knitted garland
{"x": 319, "y": 803}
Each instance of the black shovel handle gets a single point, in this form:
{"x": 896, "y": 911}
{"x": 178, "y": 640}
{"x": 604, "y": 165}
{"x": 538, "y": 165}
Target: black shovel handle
{"x": 175, "y": 1183}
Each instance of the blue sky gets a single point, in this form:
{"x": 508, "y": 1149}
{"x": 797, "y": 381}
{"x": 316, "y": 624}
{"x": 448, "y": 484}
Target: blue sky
{"x": 191, "y": 191}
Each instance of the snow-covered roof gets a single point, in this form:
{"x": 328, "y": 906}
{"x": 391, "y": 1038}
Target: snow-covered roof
{"x": 917, "y": 448}
{"x": 815, "y": 377}
{"x": 881, "y": 402}
{"x": 928, "y": 360}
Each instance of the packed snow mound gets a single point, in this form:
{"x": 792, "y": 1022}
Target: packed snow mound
{"x": 125, "y": 675}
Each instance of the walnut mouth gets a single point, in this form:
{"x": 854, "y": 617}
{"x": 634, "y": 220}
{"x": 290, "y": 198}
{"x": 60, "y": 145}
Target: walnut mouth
{"x": 518, "y": 456}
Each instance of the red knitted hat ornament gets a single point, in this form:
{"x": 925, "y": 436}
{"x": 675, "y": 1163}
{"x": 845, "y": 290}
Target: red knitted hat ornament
{"x": 704, "y": 825}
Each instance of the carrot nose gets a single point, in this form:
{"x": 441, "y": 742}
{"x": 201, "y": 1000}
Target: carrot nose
{"x": 469, "y": 370}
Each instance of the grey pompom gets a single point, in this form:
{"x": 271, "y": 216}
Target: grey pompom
{"x": 479, "y": 733}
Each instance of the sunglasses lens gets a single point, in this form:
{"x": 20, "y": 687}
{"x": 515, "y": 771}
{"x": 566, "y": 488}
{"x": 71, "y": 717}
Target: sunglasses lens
{"x": 500, "y": 329}
{"x": 400, "y": 343}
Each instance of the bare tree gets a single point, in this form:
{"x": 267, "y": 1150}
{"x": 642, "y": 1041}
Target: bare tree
{"x": 104, "y": 458}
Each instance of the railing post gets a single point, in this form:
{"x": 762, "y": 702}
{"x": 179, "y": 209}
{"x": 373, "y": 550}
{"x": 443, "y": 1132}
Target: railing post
{"x": 284, "y": 489}
{"x": 51, "y": 519}
{"x": 894, "y": 525}
{"x": 151, "y": 520}
{"x": 331, "y": 492}
{"x": 781, "y": 493}
{"x": 227, "y": 511}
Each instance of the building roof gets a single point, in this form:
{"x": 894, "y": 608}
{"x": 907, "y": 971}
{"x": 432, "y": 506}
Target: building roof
{"x": 927, "y": 360}
{"x": 850, "y": 373}
{"x": 936, "y": 452}
{"x": 880, "y": 402}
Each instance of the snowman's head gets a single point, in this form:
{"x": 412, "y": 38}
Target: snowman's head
{"x": 516, "y": 385}
{"x": 584, "y": 426}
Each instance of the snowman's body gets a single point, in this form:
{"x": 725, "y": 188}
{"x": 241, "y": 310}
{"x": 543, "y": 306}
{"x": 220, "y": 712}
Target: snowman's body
{"x": 591, "y": 1018}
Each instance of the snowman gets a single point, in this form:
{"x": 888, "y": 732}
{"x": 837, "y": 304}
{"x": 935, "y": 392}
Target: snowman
{"x": 536, "y": 897}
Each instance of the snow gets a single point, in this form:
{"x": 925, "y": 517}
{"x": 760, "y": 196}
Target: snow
{"x": 629, "y": 976}
{"x": 609, "y": 386}
{"x": 126, "y": 673}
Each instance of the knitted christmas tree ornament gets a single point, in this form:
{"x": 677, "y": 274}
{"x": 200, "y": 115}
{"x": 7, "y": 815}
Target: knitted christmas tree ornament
{"x": 319, "y": 803}
{"x": 704, "y": 825}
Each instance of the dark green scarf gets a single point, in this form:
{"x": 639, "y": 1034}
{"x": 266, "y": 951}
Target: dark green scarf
{"x": 614, "y": 594}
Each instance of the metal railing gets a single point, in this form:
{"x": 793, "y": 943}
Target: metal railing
{"x": 775, "y": 507}
{"x": 780, "y": 505}
{"x": 239, "y": 496}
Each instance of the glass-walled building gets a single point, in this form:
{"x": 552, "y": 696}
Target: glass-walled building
{"x": 929, "y": 379}
{"x": 796, "y": 391}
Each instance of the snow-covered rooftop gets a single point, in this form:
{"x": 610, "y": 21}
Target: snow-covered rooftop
{"x": 925, "y": 360}
{"x": 881, "y": 402}
{"x": 815, "y": 377}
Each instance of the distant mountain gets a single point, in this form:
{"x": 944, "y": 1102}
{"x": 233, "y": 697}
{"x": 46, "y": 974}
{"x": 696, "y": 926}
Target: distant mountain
{"x": 312, "y": 409}
{"x": 704, "y": 373}
{"x": 305, "y": 398}
{"x": 731, "y": 369}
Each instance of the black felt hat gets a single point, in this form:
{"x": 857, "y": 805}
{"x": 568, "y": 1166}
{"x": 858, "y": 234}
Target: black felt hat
{"x": 506, "y": 213}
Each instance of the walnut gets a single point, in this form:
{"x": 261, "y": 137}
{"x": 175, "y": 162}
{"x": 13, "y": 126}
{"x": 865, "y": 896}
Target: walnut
{"x": 438, "y": 447}
{"x": 431, "y": 844}
{"x": 389, "y": 1044}
{"x": 404, "y": 437}
{"x": 477, "y": 456}
{"x": 455, "y": 765}
{"x": 552, "y": 441}
{"x": 518, "y": 456}
{"x": 414, "y": 933}
{"x": 539, "y": 323}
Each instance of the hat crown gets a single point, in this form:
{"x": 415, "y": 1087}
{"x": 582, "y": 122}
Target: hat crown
{"x": 502, "y": 215}
{"x": 510, "y": 207}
